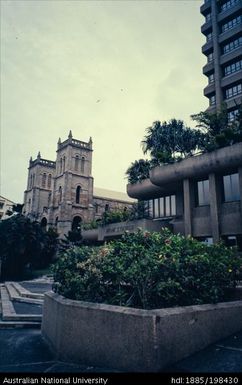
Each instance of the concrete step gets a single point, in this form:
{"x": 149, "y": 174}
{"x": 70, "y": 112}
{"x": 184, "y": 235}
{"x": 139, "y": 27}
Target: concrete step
{"x": 9, "y": 313}
{"x": 26, "y": 293}
{"x": 19, "y": 324}
{"x": 15, "y": 296}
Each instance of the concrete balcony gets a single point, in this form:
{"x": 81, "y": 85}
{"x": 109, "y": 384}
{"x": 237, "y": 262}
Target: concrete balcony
{"x": 233, "y": 11}
{"x": 234, "y": 102}
{"x": 207, "y": 47}
{"x": 206, "y": 27}
{"x": 230, "y": 33}
{"x": 209, "y": 90}
{"x": 208, "y": 68}
{"x": 206, "y": 7}
{"x": 231, "y": 79}
{"x": 230, "y": 56}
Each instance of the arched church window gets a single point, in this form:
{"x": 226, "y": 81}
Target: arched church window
{"x": 61, "y": 166}
{"x": 76, "y": 162}
{"x": 60, "y": 194}
{"x": 56, "y": 221}
{"x": 64, "y": 163}
{"x": 78, "y": 192}
{"x": 29, "y": 203}
{"x": 82, "y": 164}
{"x": 106, "y": 207}
{"x": 44, "y": 180}
{"x": 49, "y": 181}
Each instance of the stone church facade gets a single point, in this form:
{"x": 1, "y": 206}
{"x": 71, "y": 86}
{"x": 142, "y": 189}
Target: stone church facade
{"x": 61, "y": 193}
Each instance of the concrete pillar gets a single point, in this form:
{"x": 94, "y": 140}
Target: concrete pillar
{"x": 216, "y": 55}
{"x": 240, "y": 190}
{"x": 187, "y": 207}
{"x": 214, "y": 209}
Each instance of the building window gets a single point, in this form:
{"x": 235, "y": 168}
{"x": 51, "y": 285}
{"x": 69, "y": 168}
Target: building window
{"x": 234, "y": 67}
{"x": 56, "y": 221}
{"x": 209, "y": 36}
{"x": 96, "y": 208}
{"x": 231, "y": 187}
{"x": 231, "y": 23}
{"x": 232, "y": 45}
{"x": 233, "y": 240}
{"x": 49, "y": 181}
{"x": 207, "y": 240}
{"x": 82, "y": 164}
{"x": 107, "y": 207}
{"x": 208, "y": 17}
{"x": 64, "y": 164}
{"x": 203, "y": 193}
{"x": 44, "y": 180}
{"x": 61, "y": 166}
{"x": 211, "y": 78}
{"x": 210, "y": 57}
{"x": 60, "y": 194}
{"x": 212, "y": 100}
{"x": 228, "y": 4}
{"x": 31, "y": 181}
{"x": 233, "y": 91}
{"x": 232, "y": 115}
{"x": 78, "y": 192}
{"x": 76, "y": 162}
{"x": 162, "y": 207}
{"x": 1, "y": 205}
{"x": 29, "y": 204}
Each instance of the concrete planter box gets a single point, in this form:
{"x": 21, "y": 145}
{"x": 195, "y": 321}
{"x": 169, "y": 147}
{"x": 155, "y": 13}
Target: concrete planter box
{"x": 133, "y": 340}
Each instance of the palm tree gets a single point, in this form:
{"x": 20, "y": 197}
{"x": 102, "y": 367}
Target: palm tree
{"x": 138, "y": 171}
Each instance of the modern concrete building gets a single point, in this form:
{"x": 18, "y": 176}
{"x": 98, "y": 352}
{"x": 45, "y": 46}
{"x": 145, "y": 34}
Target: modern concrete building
{"x": 5, "y": 206}
{"x": 60, "y": 193}
{"x": 200, "y": 196}
{"x": 223, "y": 49}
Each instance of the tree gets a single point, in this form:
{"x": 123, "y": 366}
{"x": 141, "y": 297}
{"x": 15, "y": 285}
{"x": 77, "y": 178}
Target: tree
{"x": 171, "y": 141}
{"x": 138, "y": 171}
{"x": 23, "y": 243}
{"x": 218, "y": 131}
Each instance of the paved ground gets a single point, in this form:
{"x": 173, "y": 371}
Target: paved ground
{"x": 27, "y": 308}
{"x": 24, "y": 350}
{"x": 224, "y": 356}
{"x": 36, "y": 287}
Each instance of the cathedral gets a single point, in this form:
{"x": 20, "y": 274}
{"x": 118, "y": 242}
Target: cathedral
{"x": 61, "y": 194}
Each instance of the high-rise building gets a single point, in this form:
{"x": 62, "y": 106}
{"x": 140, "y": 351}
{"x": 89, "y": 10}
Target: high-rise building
{"x": 223, "y": 49}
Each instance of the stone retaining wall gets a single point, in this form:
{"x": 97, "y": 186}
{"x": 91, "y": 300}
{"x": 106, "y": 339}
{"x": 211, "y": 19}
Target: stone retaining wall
{"x": 133, "y": 340}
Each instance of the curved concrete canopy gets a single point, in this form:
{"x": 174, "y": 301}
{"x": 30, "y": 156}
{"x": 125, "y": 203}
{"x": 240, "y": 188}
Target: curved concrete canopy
{"x": 224, "y": 160}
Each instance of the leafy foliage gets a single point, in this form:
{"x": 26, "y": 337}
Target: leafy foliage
{"x": 137, "y": 211}
{"x": 219, "y": 132}
{"x": 148, "y": 270}
{"x": 24, "y": 242}
{"x": 171, "y": 141}
{"x": 138, "y": 171}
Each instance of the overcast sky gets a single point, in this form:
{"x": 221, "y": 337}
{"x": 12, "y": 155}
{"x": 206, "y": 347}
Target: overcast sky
{"x": 105, "y": 69}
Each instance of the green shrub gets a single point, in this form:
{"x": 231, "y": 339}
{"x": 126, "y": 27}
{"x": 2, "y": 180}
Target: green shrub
{"x": 148, "y": 270}
{"x": 23, "y": 243}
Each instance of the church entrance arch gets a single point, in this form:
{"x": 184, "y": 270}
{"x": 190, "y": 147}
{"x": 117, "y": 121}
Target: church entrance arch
{"x": 43, "y": 223}
{"x": 76, "y": 223}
